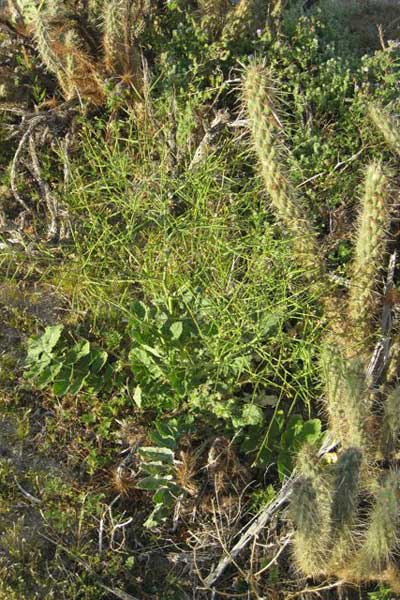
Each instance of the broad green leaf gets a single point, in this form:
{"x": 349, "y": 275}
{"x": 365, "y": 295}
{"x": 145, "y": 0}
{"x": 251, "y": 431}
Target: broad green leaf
{"x": 51, "y": 336}
{"x": 152, "y": 350}
{"x": 39, "y": 365}
{"x": 158, "y": 515}
{"x": 139, "y": 356}
{"x": 63, "y": 381}
{"x": 293, "y": 431}
{"x": 48, "y": 375}
{"x": 78, "y": 379}
{"x": 285, "y": 464}
{"x": 176, "y": 330}
{"x": 156, "y": 468}
{"x": 153, "y": 483}
{"x": 166, "y": 435}
{"x": 44, "y": 343}
{"x": 137, "y": 396}
{"x": 98, "y": 360}
{"x": 164, "y": 496}
{"x": 311, "y": 431}
{"x": 77, "y": 352}
{"x": 139, "y": 309}
{"x": 155, "y": 453}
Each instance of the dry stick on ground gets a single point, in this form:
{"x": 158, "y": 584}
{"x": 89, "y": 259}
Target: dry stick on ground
{"x": 13, "y": 175}
{"x": 30, "y": 122}
{"x": 50, "y": 201}
{"x": 252, "y": 531}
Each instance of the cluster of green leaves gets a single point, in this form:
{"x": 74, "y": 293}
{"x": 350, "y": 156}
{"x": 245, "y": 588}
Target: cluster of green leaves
{"x": 167, "y": 358}
{"x": 325, "y": 89}
{"x": 382, "y": 593}
{"x": 51, "y": 361}
{"x": 157, "y": 471}
{"x": 281, "y": 441}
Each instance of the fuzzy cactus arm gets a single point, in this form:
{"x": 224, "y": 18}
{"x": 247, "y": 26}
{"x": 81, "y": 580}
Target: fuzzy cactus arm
{"x": 391, "y": 422}
{"x": 345, "y": 503}
{"x": 345, "y": 397}
{"x": 346, "y": 488}
{"x": 310, "y": 513}
{"x": 45, "y": 39}
{"x": 284, "y": 199}
{"x": 386, "y": 125}
{"x": 370, "y": 250}
{"x": 382, "y": 534}
{"x": 116, "y": 42}
{"x": 82, "y": 77}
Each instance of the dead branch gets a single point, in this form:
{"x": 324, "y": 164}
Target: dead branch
{"x": 253, "y": 530}
{"x": 50, "y": 201}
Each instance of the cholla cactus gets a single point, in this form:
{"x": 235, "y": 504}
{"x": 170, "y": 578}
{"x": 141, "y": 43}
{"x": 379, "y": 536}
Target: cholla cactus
{"x": 81, "y": 69}
{"x": 345, "y": 512}
{"x": 386, "y": 125}
{"x": 265, "y": 125}
{"x": 369, "y": 252}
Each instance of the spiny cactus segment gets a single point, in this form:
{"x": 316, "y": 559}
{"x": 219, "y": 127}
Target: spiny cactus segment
{"x": 310, "y": 512}
{"x": 381, "y": 537}
{"x": 387, "y": 127}
{"x": 346, "y": 401}
{"x": 83, "y": 71}
{"x": 346, "y": 488}
{"x": 370, "y": 248}
{"x": 265, "y": 124}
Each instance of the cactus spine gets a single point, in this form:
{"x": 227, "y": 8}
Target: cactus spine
{"x": 346, "y": 488}
{"x": 391, "y": 422}
{"x": 80, "y": 68}
{"x": 345, "y": 396}
{"x": 44, "y": 39}
{"x": 116, "y": 36}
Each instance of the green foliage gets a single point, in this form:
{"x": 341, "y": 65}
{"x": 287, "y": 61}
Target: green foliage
{"x": 282, "y": 440}
{"x": 382, "y": 593}
{"x": 51, "y": 361}
{"x": 157, "y": 470}
{"x": 167, "y": 359}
